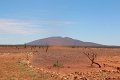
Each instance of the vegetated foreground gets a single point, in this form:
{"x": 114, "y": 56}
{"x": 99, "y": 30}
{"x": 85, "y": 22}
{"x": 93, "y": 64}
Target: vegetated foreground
{"x": 58, "y": 63}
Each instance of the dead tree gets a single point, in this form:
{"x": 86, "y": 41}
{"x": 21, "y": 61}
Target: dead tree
{"x": 47, "y": 47}
{"x": 92, "y": 56}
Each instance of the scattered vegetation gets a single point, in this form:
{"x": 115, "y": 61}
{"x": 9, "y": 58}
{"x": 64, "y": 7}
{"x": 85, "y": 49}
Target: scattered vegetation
{"x": 47, "y": 47}
{"x": 92, "y": 56}
{"x": 58, "y": 64}
{"x": 16, "y": 66}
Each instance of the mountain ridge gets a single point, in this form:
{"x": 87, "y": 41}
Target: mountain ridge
{"x": 62, "y": 41}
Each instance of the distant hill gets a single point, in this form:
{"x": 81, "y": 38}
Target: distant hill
{"x": 62, "y": 41}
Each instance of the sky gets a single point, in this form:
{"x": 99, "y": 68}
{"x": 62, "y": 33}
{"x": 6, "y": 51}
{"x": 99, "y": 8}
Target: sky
{"x": 22, "y": 21}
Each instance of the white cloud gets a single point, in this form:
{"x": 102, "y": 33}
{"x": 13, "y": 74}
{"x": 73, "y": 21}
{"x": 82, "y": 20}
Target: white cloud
{"x": 55, "y": 23}
{"x": 30, "y": 27}
{"x": 18, "y": 27}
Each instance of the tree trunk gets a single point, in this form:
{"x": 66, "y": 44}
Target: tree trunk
{"x": 97, "y": 64}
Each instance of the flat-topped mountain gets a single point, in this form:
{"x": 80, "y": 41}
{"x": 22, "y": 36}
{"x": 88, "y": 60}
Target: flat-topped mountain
{"x": 62, "y": 41}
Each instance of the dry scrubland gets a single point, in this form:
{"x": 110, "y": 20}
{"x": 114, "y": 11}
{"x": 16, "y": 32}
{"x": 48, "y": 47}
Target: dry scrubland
{"x": 58, "y": 63}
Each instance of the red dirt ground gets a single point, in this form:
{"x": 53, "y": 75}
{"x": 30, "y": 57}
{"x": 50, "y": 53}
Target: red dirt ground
{"x": 72, "y": 59}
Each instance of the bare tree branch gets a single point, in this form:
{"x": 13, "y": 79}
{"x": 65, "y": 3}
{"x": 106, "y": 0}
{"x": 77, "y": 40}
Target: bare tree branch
{"x": 92, "y": 56}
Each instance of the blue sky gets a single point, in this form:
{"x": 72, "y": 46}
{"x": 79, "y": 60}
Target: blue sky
{"x": 97, "y": 21}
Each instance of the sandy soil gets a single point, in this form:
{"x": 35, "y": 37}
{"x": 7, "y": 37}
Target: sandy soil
{"x": 75, "y": 65}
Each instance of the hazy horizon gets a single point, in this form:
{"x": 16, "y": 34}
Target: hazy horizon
{"x": 89, "y": 20}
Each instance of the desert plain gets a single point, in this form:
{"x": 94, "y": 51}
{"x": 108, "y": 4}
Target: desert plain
{"x": 58, "y": 63}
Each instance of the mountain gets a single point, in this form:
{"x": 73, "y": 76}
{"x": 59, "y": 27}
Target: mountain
{"x": 62, "y": 41}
